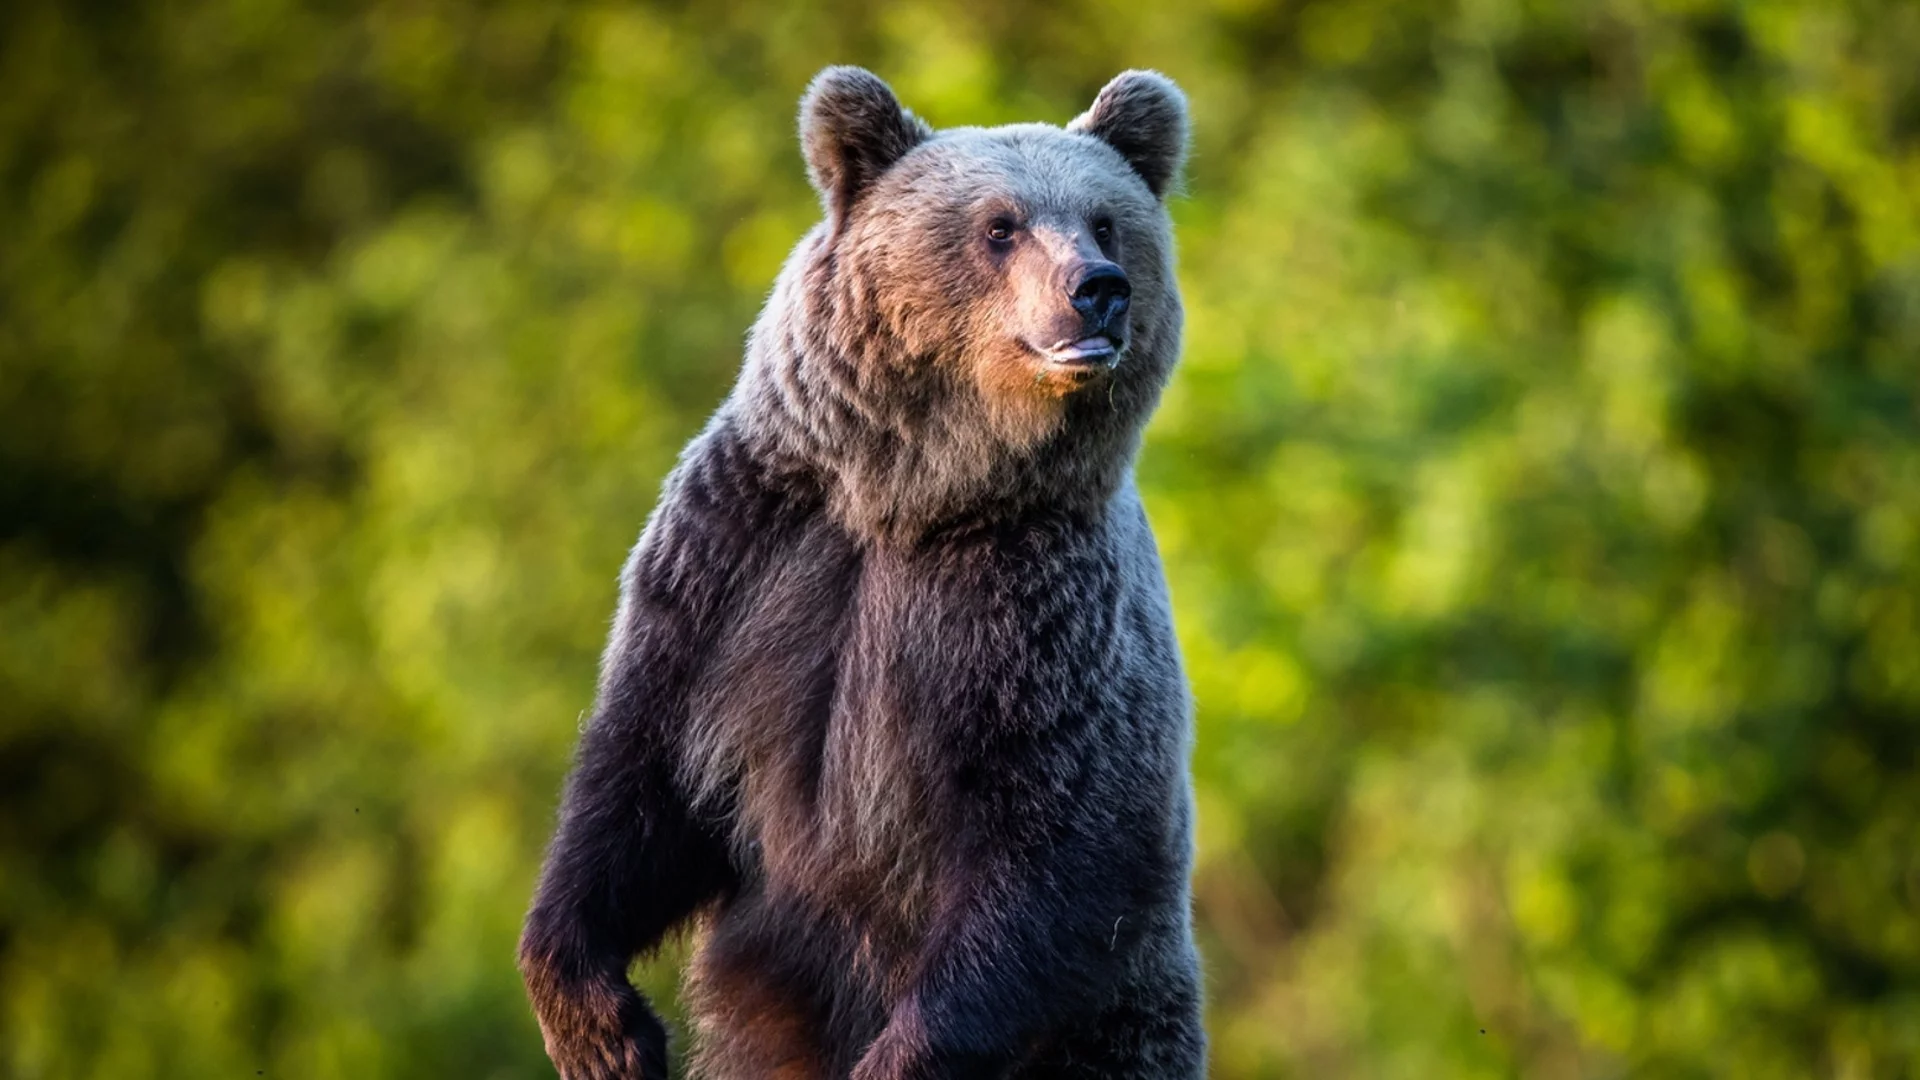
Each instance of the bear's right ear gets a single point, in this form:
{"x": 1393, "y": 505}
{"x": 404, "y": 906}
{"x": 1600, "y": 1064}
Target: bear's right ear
{"x": 852, "y": 129}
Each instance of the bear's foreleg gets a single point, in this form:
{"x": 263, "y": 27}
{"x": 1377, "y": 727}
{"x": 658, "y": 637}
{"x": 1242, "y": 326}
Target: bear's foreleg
{"x": 632, "y": 858}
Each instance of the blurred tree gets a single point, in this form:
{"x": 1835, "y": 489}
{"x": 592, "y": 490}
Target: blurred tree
{"x": 1541, "y": 492}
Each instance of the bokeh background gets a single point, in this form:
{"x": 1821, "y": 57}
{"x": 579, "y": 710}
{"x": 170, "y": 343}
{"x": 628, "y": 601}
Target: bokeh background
{"x": 1540, "y": 495}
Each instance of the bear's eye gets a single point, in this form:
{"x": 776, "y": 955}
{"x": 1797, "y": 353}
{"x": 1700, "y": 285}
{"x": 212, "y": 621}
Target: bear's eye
{"x": 1103, "y": 232}
{"x": 1001, "y": 231}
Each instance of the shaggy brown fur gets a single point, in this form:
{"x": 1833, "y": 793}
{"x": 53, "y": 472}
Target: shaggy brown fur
{"x": 892, "y": 711}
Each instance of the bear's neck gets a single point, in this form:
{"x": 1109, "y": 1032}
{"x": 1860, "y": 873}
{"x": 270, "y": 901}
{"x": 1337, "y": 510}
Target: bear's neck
{"x": 900, "y": 447}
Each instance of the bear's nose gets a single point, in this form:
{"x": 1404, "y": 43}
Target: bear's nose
{"x": 1100, "y": 293}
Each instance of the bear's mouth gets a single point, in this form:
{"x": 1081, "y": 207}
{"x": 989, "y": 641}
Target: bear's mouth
{"x": 1100, "y": 351}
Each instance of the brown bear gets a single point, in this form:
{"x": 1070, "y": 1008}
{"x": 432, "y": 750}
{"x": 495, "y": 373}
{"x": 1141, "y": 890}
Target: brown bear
{"x": 892, "y": 714}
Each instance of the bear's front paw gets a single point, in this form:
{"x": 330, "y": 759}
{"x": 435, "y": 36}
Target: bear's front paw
{"x": 625, "y": 1042}
{"x": 623, "y": 1059}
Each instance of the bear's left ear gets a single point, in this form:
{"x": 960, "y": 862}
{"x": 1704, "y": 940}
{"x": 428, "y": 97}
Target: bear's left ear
{"x": 852, "y": 129}
{"x": 1143, "y": 115}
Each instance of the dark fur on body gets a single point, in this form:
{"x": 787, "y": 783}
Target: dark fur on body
{"x": 892, "y": 710}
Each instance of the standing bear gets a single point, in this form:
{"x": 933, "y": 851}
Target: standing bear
{"x": 892, "y": 713}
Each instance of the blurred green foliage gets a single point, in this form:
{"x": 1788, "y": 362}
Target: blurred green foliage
{"x": 1541, "y": 497}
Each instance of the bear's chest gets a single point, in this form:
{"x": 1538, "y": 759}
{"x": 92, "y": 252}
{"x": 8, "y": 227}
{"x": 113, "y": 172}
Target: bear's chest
{"x": 811, "y": 725}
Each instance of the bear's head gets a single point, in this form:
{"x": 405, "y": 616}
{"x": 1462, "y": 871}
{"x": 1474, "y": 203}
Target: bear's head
{"x": 983, "y": 311}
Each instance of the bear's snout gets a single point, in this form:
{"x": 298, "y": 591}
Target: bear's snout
{"x": 1100, "y": 292}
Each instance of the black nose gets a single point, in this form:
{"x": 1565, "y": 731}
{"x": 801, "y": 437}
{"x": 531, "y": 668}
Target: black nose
{"x": 1100, "y": 293}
